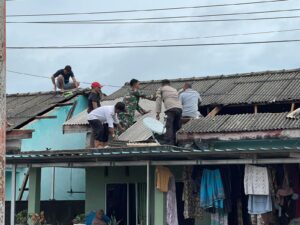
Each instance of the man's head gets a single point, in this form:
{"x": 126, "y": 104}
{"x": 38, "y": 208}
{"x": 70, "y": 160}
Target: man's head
{"x": 96, "y": 86}
{"x": 120, "y": 107}
{"x": 134, "y": 84}
{"x": 67, "y": 69}
{"x": 165, "y": 82}
{"x": 100, "y": 214}
{"x": 187, "y": 85}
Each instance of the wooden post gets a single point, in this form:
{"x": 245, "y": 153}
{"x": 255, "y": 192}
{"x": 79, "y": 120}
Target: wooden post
{"x": 255, "y": 109}
{"x": 215, "y": 111}
{"x": 2, "y": 108}
{"x": 293, "y": 107}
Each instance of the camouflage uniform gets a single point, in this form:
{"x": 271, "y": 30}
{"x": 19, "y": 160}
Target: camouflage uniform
{"x": 131, "y": 101}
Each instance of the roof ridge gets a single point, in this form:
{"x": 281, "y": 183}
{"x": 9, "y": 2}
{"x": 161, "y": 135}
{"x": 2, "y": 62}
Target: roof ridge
{"x": 79, "y": 91}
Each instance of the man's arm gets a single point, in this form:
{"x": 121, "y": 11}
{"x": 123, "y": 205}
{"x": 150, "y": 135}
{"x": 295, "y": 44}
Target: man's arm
{"x": 53, "y": 78}
{"x": 158, "y": 103}
{"x": 75, "y": 81}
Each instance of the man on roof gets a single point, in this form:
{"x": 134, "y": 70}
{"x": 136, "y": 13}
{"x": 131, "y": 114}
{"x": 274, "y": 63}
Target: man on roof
{"x": 169, "y": 96}
{"x": 190, "y": 100}
{"x": 95, "y": 96}
{"x": 61, "y": 79}
{"x": 131, "y": 101}
{"x": 102, "y": 121}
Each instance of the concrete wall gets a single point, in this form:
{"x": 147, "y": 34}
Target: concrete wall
{"x": 49, "y": 135}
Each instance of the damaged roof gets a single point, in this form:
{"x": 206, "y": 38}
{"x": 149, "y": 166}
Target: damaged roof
{"x": 246, "y": 88}
{"x": 22, "y": 108}
{"x": 240, "y": 123}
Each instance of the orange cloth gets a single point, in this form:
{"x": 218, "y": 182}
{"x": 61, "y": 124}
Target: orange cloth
{"x": 163, "y": 175}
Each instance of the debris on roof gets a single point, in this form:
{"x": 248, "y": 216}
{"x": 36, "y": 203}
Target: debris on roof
{"x": 294, "y": 115}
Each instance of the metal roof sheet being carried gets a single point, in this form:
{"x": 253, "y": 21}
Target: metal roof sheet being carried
{"x": 241, "y": 123}
{"x": 247, "y": 88}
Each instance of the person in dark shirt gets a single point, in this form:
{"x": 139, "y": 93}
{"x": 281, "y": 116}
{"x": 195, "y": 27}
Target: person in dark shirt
{"x": 95, "y": 97}
{"x": 61, "y": 79}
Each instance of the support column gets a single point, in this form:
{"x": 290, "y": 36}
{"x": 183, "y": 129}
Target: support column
{"x": 34, "y": 197}
{"x": 13, "y": 195}
{"x": 2, "y": 108}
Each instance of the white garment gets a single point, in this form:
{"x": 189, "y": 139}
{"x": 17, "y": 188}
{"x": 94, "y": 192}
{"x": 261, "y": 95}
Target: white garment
{"x": 106, "y": 114}
{"x": 172, "y": 216}
{"x": 256, "y": 180}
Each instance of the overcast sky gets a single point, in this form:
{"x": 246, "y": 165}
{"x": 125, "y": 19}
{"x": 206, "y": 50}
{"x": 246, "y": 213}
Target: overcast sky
{"x": 116, "y": 66}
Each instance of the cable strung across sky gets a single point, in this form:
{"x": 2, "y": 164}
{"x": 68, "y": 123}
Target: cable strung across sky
{"x": 153, "y": 46}
{"x": 149, "y": 10}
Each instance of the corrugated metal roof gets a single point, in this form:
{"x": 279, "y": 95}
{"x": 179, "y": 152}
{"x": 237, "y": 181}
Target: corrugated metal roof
{"x": 23, "y": 107}
{"x": 248, "y": 88}
{"x": 137, "y": 132}
{"x": 241, "y": 123}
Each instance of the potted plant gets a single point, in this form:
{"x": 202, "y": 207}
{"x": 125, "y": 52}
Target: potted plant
{"x": 38, "y": 218}
{"x": 21, "y": 218}
{"x": 79, "y": 219}
{"x": 113, "y": 221}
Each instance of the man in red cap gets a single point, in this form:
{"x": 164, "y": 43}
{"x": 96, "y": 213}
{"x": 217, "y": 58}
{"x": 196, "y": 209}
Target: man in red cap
{"x": 95, "y": 96}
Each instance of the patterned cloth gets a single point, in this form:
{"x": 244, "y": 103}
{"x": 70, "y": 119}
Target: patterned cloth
{"x": 257, "y": 220}
{"x": 190, "y": 196}
{"x": 172, "y": 216}
{"x": 131, "y": 101}
{"x": 219, "y": 218}
{"x": 256, "y": 180}
{"x": 212, "y": 193}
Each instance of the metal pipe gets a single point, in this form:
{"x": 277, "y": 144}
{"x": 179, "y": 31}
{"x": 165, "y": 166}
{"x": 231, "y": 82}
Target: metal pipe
{"x": 13, "y": 195}
{"x": 53, "y": 184}
{"x": 148, "y": 195}
{"x": 3, "y": 120}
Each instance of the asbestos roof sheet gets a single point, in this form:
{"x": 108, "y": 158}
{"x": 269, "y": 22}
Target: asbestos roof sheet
{"x": 247, "y": 88}
{"x": 24, "y": 107}
{"x": 241, "y": 123}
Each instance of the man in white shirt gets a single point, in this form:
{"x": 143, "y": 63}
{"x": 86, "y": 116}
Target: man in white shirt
{"x": 102, "y": 121}
{"x": 190, "y": 100}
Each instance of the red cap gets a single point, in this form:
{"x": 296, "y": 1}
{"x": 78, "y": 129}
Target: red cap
{"x": 96, "y": 85}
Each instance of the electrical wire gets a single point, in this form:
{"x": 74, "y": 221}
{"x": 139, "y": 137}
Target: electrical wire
{"x": 152, "y": 46}
{"x": 149, "y": 10}
{"x": 190, "y": 38}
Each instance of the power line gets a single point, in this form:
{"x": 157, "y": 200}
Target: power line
{"x": 154, "y": 46}
{"x": 149, "y": 10}
{"x": 97, "y": 22}
{"x": 196, "y": 16}
{"x": 190, "y": 38}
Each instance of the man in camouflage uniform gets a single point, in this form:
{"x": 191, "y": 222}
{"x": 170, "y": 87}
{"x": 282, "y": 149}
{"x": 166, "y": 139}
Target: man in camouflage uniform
{"x": 131, "y": 101}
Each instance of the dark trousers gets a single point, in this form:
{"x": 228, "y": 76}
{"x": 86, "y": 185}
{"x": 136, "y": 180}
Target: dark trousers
{"x": 173, "y": 124}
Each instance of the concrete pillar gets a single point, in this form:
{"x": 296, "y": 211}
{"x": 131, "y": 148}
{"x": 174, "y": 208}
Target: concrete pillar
{"x": 95, "y": 189}
{"x": 34, "y": 191}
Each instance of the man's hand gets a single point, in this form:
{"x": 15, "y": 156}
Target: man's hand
{"x": 157, "y": 116}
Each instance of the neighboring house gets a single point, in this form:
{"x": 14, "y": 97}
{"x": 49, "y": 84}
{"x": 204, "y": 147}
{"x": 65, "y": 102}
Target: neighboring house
{"x": 245, "y": 122}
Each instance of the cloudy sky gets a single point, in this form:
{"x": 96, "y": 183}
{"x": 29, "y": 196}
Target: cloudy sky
{"x": 116, "y": 66}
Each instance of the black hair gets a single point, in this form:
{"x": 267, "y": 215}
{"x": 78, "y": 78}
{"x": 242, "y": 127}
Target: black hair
{"x": 165, "y": 82}
{"x": 133, "y": 82}
{"x": 68, "y": 68}
{"x": 188, "y": 84}
{"x": 120, "y": 106}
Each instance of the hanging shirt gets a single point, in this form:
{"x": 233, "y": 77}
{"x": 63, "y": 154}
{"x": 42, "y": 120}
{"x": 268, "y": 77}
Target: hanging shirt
{"x": 256, "y": 180}
{"x": 106, "y": 114}
{"x": 163, "y": 175}
{"x": 259, "y": 204}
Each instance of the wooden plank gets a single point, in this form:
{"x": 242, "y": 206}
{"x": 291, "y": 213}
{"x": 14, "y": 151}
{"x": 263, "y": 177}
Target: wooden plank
{"x": 19, "y": 134}
{"x": 64, "y": 104}
{"x": 45, "y": 117}
{"x": 215, "y": 111}
{"x": 71, "y": 112}
{"x": 293, "y": 106}
{"x": 255, "y": 109}
{"x": 23, "y": 187}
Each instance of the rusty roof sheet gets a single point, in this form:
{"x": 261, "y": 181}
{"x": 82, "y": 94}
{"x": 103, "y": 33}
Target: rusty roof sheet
{"x": 247, "y": 88}
{"x": 241, "y": 123}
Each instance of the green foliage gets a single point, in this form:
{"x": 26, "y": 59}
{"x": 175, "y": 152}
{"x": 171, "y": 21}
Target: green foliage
{"x": 79, "y": 219}
{"x": 21, "y": 217}
{"x": 113, "y": 221}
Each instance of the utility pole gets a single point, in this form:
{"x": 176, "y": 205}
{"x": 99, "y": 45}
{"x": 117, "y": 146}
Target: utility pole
{"x": 2, "y": 107}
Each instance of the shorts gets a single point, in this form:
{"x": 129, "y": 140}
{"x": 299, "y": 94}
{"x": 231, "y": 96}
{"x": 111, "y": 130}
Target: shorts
{"x": 100, "y": 131}
{"x": 67, "y": 86}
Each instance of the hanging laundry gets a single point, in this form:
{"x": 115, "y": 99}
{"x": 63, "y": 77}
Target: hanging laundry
{"x": 259, "y": 204}
{"x": 190, "y": 195}
{"x": 256, "y": 180}
{"x": 212, "y": 192}
{"x": 172, "y": 216}
{"x": 257, "y": 220}
{"x": 163, "y": 175}
{"x": 219, "y": 218}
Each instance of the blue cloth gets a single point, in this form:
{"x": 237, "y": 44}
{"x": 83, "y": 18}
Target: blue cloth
{"x": 91, "y": 216}
{"x": 65, "y": 75}
{"x": 259, "y": 204}
{"x": 106, "y": 219}
{"x": 212, "y": 193}
{"x": 190, "y": 100}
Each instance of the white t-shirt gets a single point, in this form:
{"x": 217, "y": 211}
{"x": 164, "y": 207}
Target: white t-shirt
{"x": 106, "y": 114}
